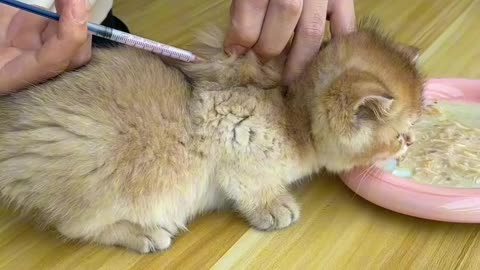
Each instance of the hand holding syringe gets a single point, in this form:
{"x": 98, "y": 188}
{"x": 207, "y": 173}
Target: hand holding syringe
{"x": 115, "y": 35}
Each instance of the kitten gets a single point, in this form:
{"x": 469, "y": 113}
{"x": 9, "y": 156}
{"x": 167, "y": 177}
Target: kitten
{"x": 128, "y": 149}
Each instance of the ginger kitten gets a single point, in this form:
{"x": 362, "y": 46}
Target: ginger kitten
{"x": 128, "y": 149}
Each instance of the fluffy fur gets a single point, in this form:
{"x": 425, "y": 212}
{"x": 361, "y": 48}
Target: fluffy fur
{"x": 128, "y": 149}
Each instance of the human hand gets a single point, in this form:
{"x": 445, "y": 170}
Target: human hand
{"x": 267, "y": 26}
{"x": 34, "y": 49}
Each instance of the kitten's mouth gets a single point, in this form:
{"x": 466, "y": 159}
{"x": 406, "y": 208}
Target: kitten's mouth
{"x": 401, "y": 153}
{"x": 408, "y": 139}
{"x": 380, "y": 161}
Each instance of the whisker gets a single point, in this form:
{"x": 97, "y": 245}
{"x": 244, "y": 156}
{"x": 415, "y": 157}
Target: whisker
{"x": 362, "y": 176}
{"x": 374, "y": 175}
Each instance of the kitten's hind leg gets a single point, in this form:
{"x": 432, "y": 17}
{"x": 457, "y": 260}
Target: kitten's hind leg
{"x": 122, "y": 233}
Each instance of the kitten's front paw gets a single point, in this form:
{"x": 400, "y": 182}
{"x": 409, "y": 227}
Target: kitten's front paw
{"x": 151, "y": 242}
{"x": 278, "y": 214}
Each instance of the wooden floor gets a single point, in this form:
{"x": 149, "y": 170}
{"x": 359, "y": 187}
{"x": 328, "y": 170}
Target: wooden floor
{"x": 337, "y": 229}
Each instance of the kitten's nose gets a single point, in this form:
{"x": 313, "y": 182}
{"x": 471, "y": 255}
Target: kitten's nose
{"x": 408, "y": 139}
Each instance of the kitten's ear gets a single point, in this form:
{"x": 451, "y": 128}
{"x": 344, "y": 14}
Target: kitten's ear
{"x": 373, "y": 107}
{"x": 412, "y": 52}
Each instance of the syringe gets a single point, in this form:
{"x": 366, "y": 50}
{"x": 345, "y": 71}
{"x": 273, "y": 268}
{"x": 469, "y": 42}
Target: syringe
{"x": 114, "y": 35}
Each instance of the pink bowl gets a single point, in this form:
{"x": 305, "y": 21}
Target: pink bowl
{"x": 420, "y": 200}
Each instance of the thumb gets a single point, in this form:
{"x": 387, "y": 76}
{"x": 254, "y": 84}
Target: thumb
{"x": 73, "y": 11}
{"x": 72, "y": 29}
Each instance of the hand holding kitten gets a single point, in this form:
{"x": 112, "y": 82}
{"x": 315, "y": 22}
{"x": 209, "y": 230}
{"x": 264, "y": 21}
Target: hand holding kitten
{"x": 34, "y": 49}
{"x": 267, "y": 26}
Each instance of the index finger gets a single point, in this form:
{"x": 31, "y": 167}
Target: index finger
{"x": 308, "y": 38}
{"x": 246, "y": 24}
{"x": 342, "y": 17}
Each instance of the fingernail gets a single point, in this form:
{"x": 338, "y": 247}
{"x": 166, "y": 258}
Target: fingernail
{"x": 80, "y": 11}
{"x": 236, "y": 49}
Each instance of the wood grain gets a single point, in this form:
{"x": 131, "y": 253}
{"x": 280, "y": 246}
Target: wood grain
{"x": 337, "y": 230}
